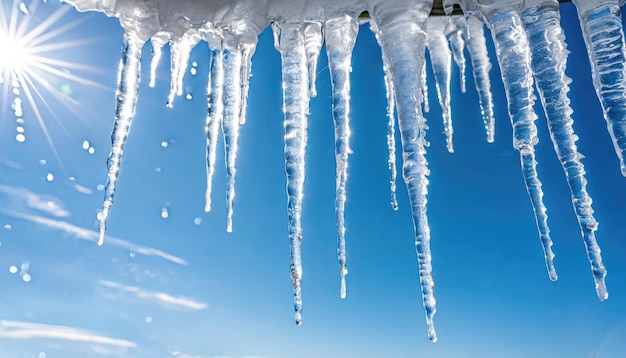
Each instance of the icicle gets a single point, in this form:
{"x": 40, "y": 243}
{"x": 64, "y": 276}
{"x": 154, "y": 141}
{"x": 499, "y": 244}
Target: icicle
{"x": 295, "y": 108}
{"x": 214, "y": 118}
{"x": 601, "y": 22}
{"x": 454, "y": 32}
{"x": 230, "y": 123}
{"x": 549, "y": 51}
{"x": 406, "y": 59}
{"x": 158, "y": 42}
{"x": 340, "y": 36}
{"x": 425, "y": 89}
{"x": 514, "y": 57}
{"x": 477, "y": 47}
{"x": 391, "y": 118}
{"x": 313, "y": 43}
{"x": 127, "y": 90}
{"x": 180, "y": 51}
{"x": 441, "y": 61}
{"x": 247, "y": 50}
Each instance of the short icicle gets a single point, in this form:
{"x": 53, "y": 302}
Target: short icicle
{"x": 214, "y": 118}
{"x": 455, "y": 33}
{"x": 340, "y": 36}
{"x": 405, "y": 59}
{"x": 230, "y": 123}
{"x": 477, "y": 47}
{"x": 247, "y": 51}
{"x": 547, "y": 43}
{"x": 158, "y": 42}
{"x": 514, "y": 56}
{"x": 391, "y": 118}
{"x": 441, "y": 61}
{"x": 127, "y": 92}
{"x": 601, "y": 23}
{"x": 180, "y": 52}
{"x": 313, "y": 44}
{"x": 295, "y": 108}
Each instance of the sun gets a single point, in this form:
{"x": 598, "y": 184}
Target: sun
{"x": 15, "y": 54}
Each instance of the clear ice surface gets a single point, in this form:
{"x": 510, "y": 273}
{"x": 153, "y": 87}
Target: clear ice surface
{"x": 231, "y": 29}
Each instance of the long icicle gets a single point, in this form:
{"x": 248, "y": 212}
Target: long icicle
{"x": 313, "y": 44}
{"x": 214, "y": 118}
{"x": 547, "y": 42}
{"x": 295, "y": 108}
{"x": 477, "y": 47}
{"x": 441, "y": 61}
{"x": 454, "y": 33}
{"x": 426, "y": 103}
{"x": 127, "y": 90}
{"x": 391, "y": 118}
{"x": 406, "y": 59}
{"x": 514, "y": 57}
{"x": 340, "y": 36}
{"x": 230, "y": 123}
{"x": 158, "y": 42}
{"x": 601, "y": 23}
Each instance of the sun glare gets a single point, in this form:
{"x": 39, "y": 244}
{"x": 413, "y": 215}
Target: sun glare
{"x": 13, "y": 54}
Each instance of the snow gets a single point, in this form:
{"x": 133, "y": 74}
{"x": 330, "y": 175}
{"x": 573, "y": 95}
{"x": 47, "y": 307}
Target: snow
{"x": 530, "y": 46}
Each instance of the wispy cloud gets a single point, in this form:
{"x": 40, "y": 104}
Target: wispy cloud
{"x": 18, "y": 197}
{"x": 90, "y": 235}
{"x": 179, "y": 354}
{"x": 28, "y": 330}
{"x": 82, "y": 189}
{"x": 161, "y": 298}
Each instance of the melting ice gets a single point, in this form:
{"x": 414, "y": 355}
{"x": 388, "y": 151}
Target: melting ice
{"x": 530, "y": 47}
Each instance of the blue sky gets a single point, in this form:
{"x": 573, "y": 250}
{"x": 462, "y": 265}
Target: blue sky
{"x": 182, "y": 285}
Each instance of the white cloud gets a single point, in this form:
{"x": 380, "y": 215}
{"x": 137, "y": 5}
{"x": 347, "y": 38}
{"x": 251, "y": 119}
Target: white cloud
{"x": 90, "y": 235}
{"x": 28, "y": 330}
{"x": 82, "y": 189}
{"x": 21, "y": 197}
{"x": 161, "y": 298}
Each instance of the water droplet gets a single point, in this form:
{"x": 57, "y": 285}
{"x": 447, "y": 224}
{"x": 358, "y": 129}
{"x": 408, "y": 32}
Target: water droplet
{"x": 25, "y": 266}
{"x": 193, "y": 71}
{"x": 86, "y": 145}
{"x": 157, "y": 169}
{"x": 71, "y": 179}
{"x": 148, "y": 319}
{"x": 19, "y": 129}
{"x": 91, "y": 150}
{"x": 164, "y": 213}
{"x": 19, "y": 121}
{"x": 99, "y": 215}
{"x": 164, "y": 144}
{"x": 42, "y": 355}
{"x": 7, "y": 227}
{"x": 50, "y": 204}
{"x": 194, "y": 64}
{"x": 42, "y": 162}
{"x": 26, "y": 277}
{"x": 189, "y": 96}
{"x": 197, "y": 221}
{"x": 49, "y": 177}
{"x": 20, "y": 137}
{"x": 100, "y": 187}
{"x": 132, "y": 254}
{"x": 24, "y": 9}
{"x": 13, "y": 269}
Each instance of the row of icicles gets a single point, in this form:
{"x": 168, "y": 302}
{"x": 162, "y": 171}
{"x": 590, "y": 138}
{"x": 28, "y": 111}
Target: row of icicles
{"x": 529, "y": 44}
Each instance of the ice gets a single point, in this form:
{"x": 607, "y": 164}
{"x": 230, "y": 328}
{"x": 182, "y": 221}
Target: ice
{"x": 405, "y": 61}
{"x": 455, "y": 32}
{"x": 214, "y": 118}
{"x": 391, "y": 118}
{"x": 477, "y": 47}
{"x": 514, "y": 57}
{"x": 295, "y": 108}
{"x": 340, "y": 36}
{"x": 601, "y": 24}
{"x": 549, "y": 52}
{"x": 231, "y": 28}
{"x": 127, "y": 91}
{"x": 230, "y": 124}
{"x": 313, "y": 44}
{"x": 441, "y": 60}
